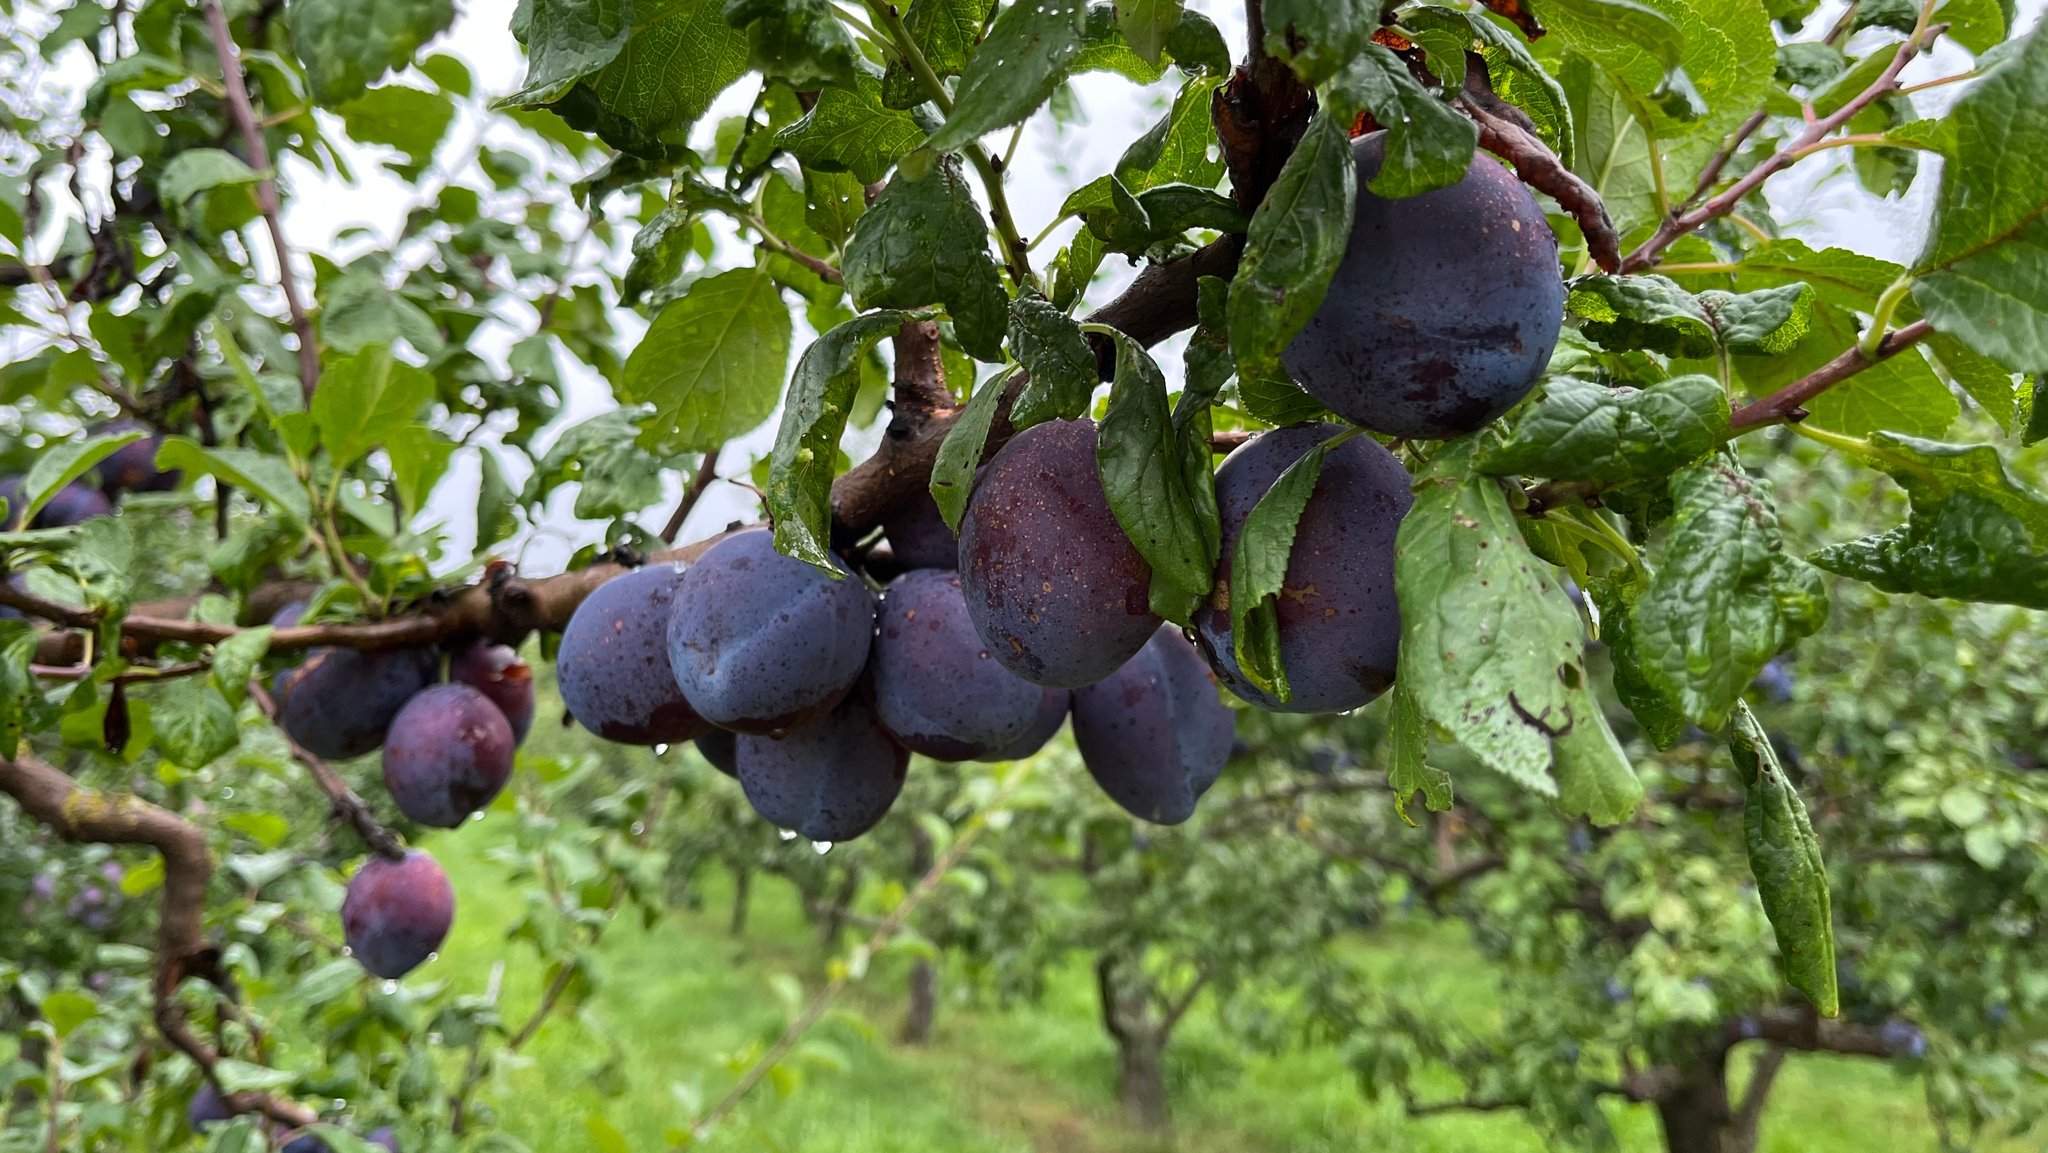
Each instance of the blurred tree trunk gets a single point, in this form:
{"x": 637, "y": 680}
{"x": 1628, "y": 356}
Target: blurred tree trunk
{"x": 742, "y": 899}
{"x": 1141, "y": 1039}
{"x": 1696, "y": 1111}
{"x": 924, "y": 977}
{"x": 837, "y": 909}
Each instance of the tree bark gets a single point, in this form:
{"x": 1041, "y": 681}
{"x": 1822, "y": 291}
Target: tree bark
{"x": 1140, "y": 1048}
{"x": 924, "y": 1003}
{"x": 1697, "y": 1114}
{"x": 742, "y": 901}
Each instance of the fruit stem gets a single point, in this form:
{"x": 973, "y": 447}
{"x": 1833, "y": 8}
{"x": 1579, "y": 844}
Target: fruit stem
{"x": 1881, "y": 315}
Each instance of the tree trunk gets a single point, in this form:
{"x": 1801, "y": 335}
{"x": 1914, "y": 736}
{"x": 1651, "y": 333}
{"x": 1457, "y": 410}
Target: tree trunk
{"x": 924, "y": 1003}
{"x": 1696, "y": 1114}
{"x": 840, "y": 906}
{"x": 1140, "y": 1047}
{"x": 742, "y": 900}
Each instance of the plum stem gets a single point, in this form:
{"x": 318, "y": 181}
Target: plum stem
{"x": 347, "y": 806}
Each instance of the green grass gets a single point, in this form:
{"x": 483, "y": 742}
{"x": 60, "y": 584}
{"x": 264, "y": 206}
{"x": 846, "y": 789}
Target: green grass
{"x": 677, "y": 1005}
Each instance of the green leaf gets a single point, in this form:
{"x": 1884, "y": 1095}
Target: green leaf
{"x": 410, "y": 120}
{"x": 244, "y": 1077}
{"x": 849, "y": 130}
{"x": 1653, "y": 313}
{"x": 924, "y": 242}
{"x": 1134, "y": 224}
{"x": 196, "y": 170}
{"x": 567, "y": 40}
{"x": 59, "y": 465}
{"x": 1155, "y": 488}
{"x": 1197, "y": 46}
{"x": 20, "y": 697}
{"x": 235, "y": 660}
{"x": 800, "y": 42}
{"x": 1028, "y": 52}
{"x": 1317, "y": 37}
{"x": 1616, "y": 596}
{"x": 946, "y": 32}
{"x": 833, "y": 204}
{"x": 605, "y": 457}
{"x": 1428, "y": 146}
{"x": 365, "y": 398}
{"x": 661, "y": 251}
{"x": 1490, "y": 645}
{"x": 1208, "y": 364}
{"x": 1515, "y": 75}
{"x": 419, "y": 459}
{"x": 807, "y": 445}
{"x": 495, "y": 502}
{"x": 711, "y": 364}
{"x": 359, "y": 312}
{"x": 1727, "y": 598}
{"x": 66, "y": 1011}
{"x": 1984, "y": 274}
{"x": 1407, "y": 771}
{"x": 1050, "y": 346}
{"x": 1594, "y": 778}
{"x": 1147, "y": 25}
{"x": 1985, "y": 380}
{"x": 1900, "y": 393}
{"x": 640, "y": 93}
{"x": 1784, "y": 857}
{"x": 1976, "y": 532}
{"x": 266, "y": 477}
{"x": 194, "y": 722}
{"x": 1258, "y": 572}
{"x": 1579, "y": 430}
{"x": 1297, "y": 237}
{"x": 960, "y": 453}
{"x": 348, "y": 45}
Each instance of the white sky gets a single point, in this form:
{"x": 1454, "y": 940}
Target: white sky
{"x": 1050, "y": 163}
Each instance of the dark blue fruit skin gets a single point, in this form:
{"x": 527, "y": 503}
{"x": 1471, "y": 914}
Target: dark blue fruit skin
{"x": 831, "y": 780}
{"x": 1052, "y": 713}
{"x": 935, "y": 687}
{"x": 340, "y": 702}
{"x": 1340, "y": 624}
{"x": 918, "y": 535}
{"x": 75, "y": 503}
{"x": 132, "y": 467}
{"x": 1444, "y": 311}
{"x": 396, "y": 913}
{"x": 721, "y": 748}
{"x": 447, "y": 755}
{"x": 497, "y": 672}
{"x": 1053, "y": 585}
{"x": 208, "y": 1109}
{"x": 762, "y": 643}
{"x": 1155, "y": 735}
{"x": 307, "y": 1144}
{"x": 612, "y": 667}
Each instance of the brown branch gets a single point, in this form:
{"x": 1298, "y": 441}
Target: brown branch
{"x": 1681, "y": 223}
{"x": 267, "y": 200}
{"x": 76, "y": 813}
{"x": 1539, "y": 168}
{"x": 1179, "y": 1006}
{"x": 1758, "y": 1092}
{"x": 347, "y": 807}
{"x": 707, "y": 471}
{"x": 1799, "y": 1027}
{"x": 1788, "y": 403}
{"x": 1260, "y": 114}
{"x": 1466, "y": 1105}
{"x": 1711, "y": 174}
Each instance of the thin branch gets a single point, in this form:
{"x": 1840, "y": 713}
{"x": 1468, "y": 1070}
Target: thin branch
{"x": 1800, "y": 1027}
{"x": 1540, "y": 168}
{"x": 1681, "y": 223}
{"x": 1466, "y": 1105}
{"x": 1179, "y": 1006}
{"x": 1758, "y": 1092}
{"x": 1711, "y": 174}
{"x": 1788, "y": 403}
{"x": 707, "y": 471}
{"x": 76, "y": 813}
{"x": 267, "y": 200}
{"x": 347, "y": 806}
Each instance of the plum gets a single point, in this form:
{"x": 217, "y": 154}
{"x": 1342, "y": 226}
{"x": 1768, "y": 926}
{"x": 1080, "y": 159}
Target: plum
{"x": 918, "y": 535}
{"x": 720, "y": 747}
{"x": 612, "y": 666}
{"x": 396, "y": 913}
{"x": 1054, "y": 587}
{"x": 1340, "y": 624}
{"x": 132, "y": 467}
{"x": 339, "y": 702}
{"x": 497, "y": 672}
{"x": 384, "y": 1138}
{"x": 208, "y": 1108}
{"x": 310, "y": 1143}
{"x": 935, "y": 687}
{"x": 1052, "y": 713}
{"x": 75, "y": 503}
{"x": 1444, "y": 310}
{"x": 447, "y": 755}
{"x": 1154, "y": 734}
{"x": 760, "y": 642}
{"x": 830, "y": 780}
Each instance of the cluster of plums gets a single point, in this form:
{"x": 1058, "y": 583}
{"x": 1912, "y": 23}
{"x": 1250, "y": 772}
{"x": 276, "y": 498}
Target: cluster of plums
{"x": 448, "y": 751}
{"x": 130, "y": 468}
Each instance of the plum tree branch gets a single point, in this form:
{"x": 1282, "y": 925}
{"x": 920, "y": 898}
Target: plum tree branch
{"x": 244, "y": 116}
{"x": 707, "y": 471}
{"x": 77, "y": 813}
{"x": 1682, "y": 223}
{"x": 1539, "y": 168}
{"x": 1788, "y": 403}
{"x": 347, "y": 805}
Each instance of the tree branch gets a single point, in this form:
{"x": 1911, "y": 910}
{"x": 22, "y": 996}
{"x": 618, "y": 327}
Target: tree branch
{"x": 348, "y": 807}
{"x": 1536, "y": 165}
{"x": 76, "y": 813}
{"x": 244, "y": 116}
{"x": 1757, "y": 1093}
{"x": 1788, "y": 403}
{"x": 1682, "y": 223}
{"x": 707, "y": 471}
{"x": 1800, "y": 1027}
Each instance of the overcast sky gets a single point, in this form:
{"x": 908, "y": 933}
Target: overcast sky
{"x": 1051, "y": 163}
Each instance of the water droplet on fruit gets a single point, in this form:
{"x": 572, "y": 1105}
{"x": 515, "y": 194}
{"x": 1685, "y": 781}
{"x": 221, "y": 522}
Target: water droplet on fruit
{"x": 821, "y": 847}
{"x": 390, "y": 987}
{"x": 661, "y": 750}
{"x": 786, "y": 834}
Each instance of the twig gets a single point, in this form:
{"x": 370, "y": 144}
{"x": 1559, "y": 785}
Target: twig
{"x": 266, "y": 188}
{"x": 347, "y": 806}
{"x": 707, "y": 471}
{"x": 1681, "y": 223}
{"x": 889, "y": 927}
{"x": 1711, "y": 174}
{"x": 1788, "y": 403}
{"x": 1539, "y": 168}
{"x": 80, "y": 814}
